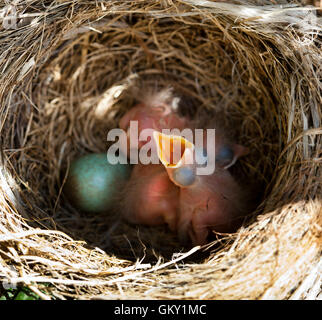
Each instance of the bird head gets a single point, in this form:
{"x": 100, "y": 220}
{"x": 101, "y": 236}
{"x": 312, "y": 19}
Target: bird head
{"x": 177, "y": 154}
{"x": 227, "y": 154}
{"x": 181, "y": 157}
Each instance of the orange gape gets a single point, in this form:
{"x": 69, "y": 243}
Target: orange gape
{"x": 171, "y": 148}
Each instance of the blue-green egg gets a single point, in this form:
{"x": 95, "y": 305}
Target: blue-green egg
{"x": 93, "y": 181}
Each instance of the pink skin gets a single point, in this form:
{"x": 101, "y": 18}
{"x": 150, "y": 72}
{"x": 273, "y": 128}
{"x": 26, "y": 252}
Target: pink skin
{"x": 152, "y": 199}
{"x": 150, "y": 117}
{"x": 210, "y": 202}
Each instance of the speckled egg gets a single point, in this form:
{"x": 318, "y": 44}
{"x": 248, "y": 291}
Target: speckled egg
{"x": 93, "y": 181}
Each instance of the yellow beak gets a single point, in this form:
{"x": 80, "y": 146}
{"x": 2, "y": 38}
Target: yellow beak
{"x": 172, "y": 150}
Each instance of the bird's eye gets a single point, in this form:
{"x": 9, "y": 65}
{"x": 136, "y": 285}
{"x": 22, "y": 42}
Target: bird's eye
{"x": 184, "y": 176}
{"x": 225, "y": 156}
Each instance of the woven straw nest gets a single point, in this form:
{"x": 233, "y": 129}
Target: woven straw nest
{"x": 66, "y": 68}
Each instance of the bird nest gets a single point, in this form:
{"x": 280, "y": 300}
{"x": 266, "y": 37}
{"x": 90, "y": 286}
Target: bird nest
{"x": 66, "y": 70}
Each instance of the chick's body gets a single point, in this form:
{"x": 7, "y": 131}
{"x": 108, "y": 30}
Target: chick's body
{"x": 155, "y": 112}
{"x": 173, "y": 193}
{"x": 207, "y": 202}
{"x": 212, "y": 202}
{"x": 150, "y": 197}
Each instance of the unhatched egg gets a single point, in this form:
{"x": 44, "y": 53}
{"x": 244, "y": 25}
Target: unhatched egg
{"x": 93, "y": 181}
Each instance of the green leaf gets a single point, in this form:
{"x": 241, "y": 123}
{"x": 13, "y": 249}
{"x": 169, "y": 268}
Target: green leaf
{"x": 24, "y": 296}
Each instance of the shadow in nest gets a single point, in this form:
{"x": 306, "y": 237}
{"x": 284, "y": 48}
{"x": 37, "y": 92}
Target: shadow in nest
{"x": 111, "y": 233}
{"x": 82, "y": 92}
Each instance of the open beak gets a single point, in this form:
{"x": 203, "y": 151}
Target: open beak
{"x": 173, "y": 151}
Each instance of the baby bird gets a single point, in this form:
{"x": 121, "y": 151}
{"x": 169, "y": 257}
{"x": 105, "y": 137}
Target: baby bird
{"x": 173, "y": 192}
{"x": 207, "y": 202}
{"x": 156, "y": 111}
{"x": 150, "y": 198}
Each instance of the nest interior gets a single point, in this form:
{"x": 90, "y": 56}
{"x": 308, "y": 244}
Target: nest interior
{"x": 66, "y": 71}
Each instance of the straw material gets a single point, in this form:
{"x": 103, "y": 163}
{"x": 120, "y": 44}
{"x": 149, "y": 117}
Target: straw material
{"x": 67, "y": 72}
